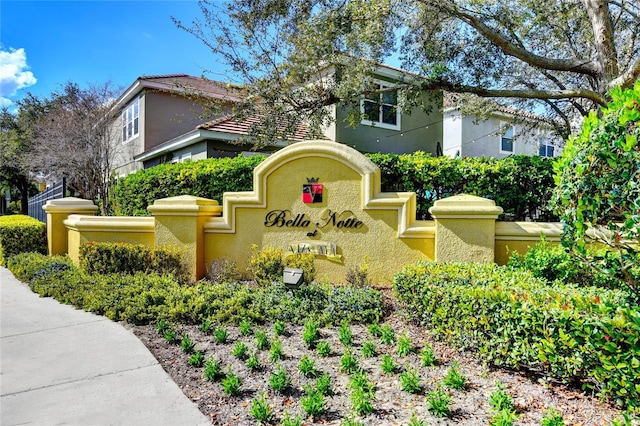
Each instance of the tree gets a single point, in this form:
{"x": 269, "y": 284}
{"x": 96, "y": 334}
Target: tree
{"x": 16, "y": 144}
{"x": 75, "y": 136}
{"x": 598, "y": 186}
{"x": 559, "y": 59}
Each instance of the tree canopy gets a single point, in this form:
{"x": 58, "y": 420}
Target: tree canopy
{"x": 559, "y": 59}
{"x": 69, "y": 134}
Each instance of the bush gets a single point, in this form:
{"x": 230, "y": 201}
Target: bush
{"x": 21, "y": 234}
{"x": 304, "y": 261}
{"x": 597, "y": 192}
{"x": 209, "y": 178}
{"x": 521, "y": 185}
{"x": 584, "y": 335}
{"x": 143, "y": 298}
{"x": 553, "y": 262}
{"x": 122, "y": 258}
{"x": 267, "y": 265}
{"x": 25, "y": 265}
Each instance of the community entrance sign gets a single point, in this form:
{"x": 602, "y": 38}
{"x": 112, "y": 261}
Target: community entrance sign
{"x": 316, "y": 197}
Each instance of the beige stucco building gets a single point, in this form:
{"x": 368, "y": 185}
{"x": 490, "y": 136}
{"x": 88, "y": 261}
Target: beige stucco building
{"x": 162, "y": 120}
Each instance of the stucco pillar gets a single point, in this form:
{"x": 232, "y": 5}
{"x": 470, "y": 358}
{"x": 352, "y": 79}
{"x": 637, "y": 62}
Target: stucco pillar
{"x": 57, "y": 212}
{"x": 179, "y": 222}
{"x": 465, "y": 229}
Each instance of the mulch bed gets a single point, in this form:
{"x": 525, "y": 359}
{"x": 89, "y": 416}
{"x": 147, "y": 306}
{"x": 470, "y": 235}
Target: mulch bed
{"x": 392, "y": 406}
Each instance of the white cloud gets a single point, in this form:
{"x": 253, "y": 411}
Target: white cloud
{"x": 13, "y": 74}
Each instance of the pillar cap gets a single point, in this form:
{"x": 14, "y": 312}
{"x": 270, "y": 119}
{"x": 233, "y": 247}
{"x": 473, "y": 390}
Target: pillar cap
{"x": 70, "y": 205}
{"x": 187, "y": 205}
{"x": 465, "y": 206}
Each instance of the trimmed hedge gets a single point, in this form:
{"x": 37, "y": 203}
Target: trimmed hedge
{"x": 521, "y": 185}
{"x": 209, "y": 178}
{"x": 123, "y": 258}
{"x": 20, "y": 234}
{"x": 586, "y": 335}
{"x": 144, "y": 298}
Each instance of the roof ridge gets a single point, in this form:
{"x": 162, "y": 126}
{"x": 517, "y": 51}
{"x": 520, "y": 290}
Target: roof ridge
{"x": 153, "y": 77}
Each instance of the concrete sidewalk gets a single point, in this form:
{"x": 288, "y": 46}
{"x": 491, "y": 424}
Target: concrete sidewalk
{"x": 59, "y": 365}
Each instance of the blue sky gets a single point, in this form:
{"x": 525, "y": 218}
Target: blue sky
{"x": 44, "y": 44}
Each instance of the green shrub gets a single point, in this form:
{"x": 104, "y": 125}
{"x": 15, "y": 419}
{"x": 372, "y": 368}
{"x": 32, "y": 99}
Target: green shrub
{"x": 146, "y": 297}
{"x": 586, "y": 335}
{"x": 26, "y": 265}
{"x": 123, "y": 258}
{"x": 522, "y": 185}
{"x": 304, "y": 261}
{"x": 553, "y": 262}
{"x": 597, "y": 192}
{"x": 266, "y": 265}
{"x": 209, "y": 178}
{"x": 21, "y": 234}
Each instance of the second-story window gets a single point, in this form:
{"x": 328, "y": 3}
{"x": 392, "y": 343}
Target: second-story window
{"x": 546, "y": 148}
{"x": 380, "y": 107}
{"x": 130, "y": 121}
{"x": 506, "y": 141}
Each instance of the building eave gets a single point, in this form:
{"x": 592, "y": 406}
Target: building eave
{"x": 192, "y": 138}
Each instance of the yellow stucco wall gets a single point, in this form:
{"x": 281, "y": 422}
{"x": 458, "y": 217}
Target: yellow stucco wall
{"x": 520, "y": 236}
{"x": 179, "y": 222}
{"x": 85, "y": 229}
{"x": 364, "y": 224}
{"x": 387, "y": 238}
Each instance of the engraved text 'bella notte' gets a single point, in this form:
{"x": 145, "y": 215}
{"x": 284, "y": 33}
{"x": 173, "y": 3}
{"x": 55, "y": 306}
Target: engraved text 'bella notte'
{"x": 329, "y": 218}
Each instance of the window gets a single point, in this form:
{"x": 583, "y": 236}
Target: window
{"x": 130, "y": 121}
{"x": 546, "y": 149}
{"x": 181, "y": 158}
{"x": 506, "y": 141}
{"x": 380, "y": 107}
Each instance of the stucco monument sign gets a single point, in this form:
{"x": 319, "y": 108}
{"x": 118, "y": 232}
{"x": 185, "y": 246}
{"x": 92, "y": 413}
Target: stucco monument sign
{"x": 316, "y": 197}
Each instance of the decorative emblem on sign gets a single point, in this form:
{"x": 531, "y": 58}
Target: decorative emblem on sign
{"x": 312, "y": 191}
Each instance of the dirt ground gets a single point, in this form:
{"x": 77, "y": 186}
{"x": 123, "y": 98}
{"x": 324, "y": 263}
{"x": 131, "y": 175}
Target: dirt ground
{"x": 392, "y": 405}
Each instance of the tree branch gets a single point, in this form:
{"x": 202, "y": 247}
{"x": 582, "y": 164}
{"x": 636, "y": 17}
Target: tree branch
{"x": 515, "y": 93}
{"x": 628, "y": 78}
{"x": 580, "y": 66}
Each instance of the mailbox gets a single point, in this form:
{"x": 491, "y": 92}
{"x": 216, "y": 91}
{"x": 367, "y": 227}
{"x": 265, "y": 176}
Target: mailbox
{"x": 293, "y": 277}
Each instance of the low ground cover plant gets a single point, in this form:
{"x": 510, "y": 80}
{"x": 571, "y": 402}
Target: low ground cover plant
{"x": 175, "y": 305}
{"x": 143, "y": 298}
{"x": 511, "y": 318}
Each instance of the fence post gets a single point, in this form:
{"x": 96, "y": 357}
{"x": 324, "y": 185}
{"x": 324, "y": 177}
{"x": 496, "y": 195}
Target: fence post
{"x": 57, "y": 212}
{"x": 465, "y": 229}
{"x": 180, "y": 223}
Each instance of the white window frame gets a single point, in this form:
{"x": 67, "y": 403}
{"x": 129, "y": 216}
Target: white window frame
{"x": 546, "y": 144}
{"x": 507, "y": 128}
{"x": 181, "y": 158}
{"x": 131, "y": 121}
{"x": 380, "y": 85}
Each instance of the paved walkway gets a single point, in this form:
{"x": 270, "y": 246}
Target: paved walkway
{"x": 59, "y": 365}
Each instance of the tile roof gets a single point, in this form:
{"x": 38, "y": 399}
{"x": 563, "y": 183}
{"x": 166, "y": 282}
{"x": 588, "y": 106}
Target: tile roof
{"x": 228, "y": 124}
{"x": 196, "y": 84}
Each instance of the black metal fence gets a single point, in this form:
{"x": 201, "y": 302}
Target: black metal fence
{"x": 36, "y": 202}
